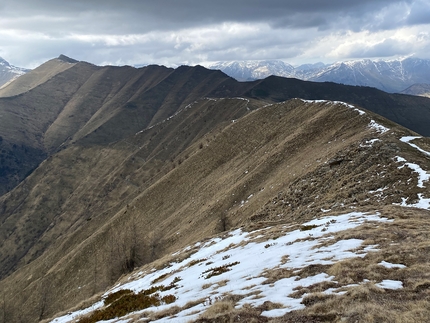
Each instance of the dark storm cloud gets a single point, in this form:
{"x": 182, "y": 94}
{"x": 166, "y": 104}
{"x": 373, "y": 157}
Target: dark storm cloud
{"x": 190, "y": 31}
{"x": 141, "y": 16}
{"x": 420, "y": 13}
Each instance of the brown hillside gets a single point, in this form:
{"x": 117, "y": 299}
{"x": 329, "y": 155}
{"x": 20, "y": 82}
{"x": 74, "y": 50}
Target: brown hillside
{"x": 90, "y": 213}
{"x": 64, "y": 101}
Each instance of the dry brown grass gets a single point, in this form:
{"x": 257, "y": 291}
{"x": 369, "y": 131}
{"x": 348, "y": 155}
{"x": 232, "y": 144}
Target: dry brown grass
{"x": 217, "y": 309}
{"x": 278, "y": 155}
{"x": 273, "y": 275}
{"x": 315, "y": 288}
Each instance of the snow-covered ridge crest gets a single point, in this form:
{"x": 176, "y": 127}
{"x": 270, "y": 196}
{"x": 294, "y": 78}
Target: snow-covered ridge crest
{"x": 373, "y": 124}
{"x": 246, "y": 258}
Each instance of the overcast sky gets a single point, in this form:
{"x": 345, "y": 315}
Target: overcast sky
{"x": 174, "y": 32}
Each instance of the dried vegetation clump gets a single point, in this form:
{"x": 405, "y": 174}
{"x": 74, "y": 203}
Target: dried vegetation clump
{"x": 218, "y": 270}
{"x": 123, "y": 302}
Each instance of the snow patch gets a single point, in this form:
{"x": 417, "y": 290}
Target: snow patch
{"x": 379, "y": 128}
{"x": 390, "y": 284}
{"x": 390, "y": 265}
{"x": 247, "y": 260}
{"x": 408, "y": 140}
{"x": 70, "y": 317}
{"x": 422, "y": 174}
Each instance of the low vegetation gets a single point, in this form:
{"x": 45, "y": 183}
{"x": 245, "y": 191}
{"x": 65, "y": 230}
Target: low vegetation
{"x": 218, "y": 270}
{"x": 123, "y": 302}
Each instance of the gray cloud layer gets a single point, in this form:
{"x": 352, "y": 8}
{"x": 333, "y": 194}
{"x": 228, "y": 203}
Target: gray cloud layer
{"x": 190, "y": 31}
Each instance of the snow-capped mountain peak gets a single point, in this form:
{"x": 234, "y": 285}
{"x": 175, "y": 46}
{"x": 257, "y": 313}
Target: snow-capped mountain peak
{"x": 393, "y": 75}
{"x": 252, "y": 70}
{"x": 9, "y": 72}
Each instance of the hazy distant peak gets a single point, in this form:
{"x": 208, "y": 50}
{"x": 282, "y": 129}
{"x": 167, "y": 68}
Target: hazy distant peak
{"x": 4, "y": 62}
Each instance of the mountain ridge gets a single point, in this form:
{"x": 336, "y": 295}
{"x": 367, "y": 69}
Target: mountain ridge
{"x": 271, "y": 146}
{"x": 140, "y": 163}
{"x": 97, "y": 105}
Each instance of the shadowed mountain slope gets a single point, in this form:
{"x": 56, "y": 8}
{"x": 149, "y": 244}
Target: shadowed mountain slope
{"x": 92, "y": 212}
{"x": 96, "y": 105}
{"x": 64, "y": 101}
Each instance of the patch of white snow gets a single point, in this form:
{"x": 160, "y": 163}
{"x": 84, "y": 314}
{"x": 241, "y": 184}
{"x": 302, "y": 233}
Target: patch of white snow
{"x": 390, "y": 265}
{"x": 390, "y": 284}
{"x": 408, "y": 140}
{"x": 379, "y": 128}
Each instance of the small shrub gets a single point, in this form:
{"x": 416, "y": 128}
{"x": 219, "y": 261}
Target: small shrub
{"x": 269, "y": 245}
{"x": 308, "y": 227}
{"x": 196, "y": 261}
{"x": 169, "y": 299}
{"x": 160, "y": 278}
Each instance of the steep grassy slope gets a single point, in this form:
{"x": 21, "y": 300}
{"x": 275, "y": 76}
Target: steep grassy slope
{"x": 96, "y": 105}
{"x": 92, "y": 212}
{"x": 27, "y": 116}
{"x": 64, "y": 101}
{"x": 37, "y": 76}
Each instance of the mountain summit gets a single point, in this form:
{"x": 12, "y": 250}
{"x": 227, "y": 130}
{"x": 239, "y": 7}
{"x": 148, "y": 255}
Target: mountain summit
{"x": 67, "y": 59}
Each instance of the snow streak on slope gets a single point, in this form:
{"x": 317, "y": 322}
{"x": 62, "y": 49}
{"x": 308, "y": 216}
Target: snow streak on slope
{"x": 245, "y": 259}
{"x": 408, "y": 140}
{"x": 423, "y": 176}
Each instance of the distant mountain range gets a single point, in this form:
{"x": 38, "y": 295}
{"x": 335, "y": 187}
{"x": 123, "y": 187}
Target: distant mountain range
{"x": 9, "y": 72}
{"x": 387, "y": 75}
